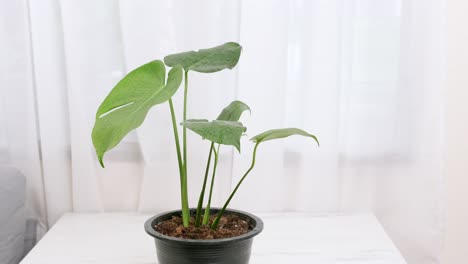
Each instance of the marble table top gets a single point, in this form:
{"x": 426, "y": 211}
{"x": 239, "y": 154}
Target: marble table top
{"x": 119, "y": 238}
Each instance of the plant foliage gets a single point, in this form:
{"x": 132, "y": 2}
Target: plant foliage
{"x": 210, "y": 60}
{"x": 127, "y": 105}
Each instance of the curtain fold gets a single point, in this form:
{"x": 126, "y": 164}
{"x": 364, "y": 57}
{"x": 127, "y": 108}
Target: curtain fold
{"x": 365, "y": 76}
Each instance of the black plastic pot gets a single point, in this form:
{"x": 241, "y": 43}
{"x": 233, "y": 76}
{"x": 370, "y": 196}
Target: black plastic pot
{"x": 233, "y": 250}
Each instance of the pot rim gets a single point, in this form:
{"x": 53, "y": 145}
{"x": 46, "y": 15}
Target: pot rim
{"x": 149, "y": 228}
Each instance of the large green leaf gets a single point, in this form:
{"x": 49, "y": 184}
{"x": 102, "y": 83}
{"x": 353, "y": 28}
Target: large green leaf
{"x": 126, "y": 106}
{"x": 218, "y": 131}
{"x": 214, "y": 59}
{"x": 233, "y": 111}
{"x": 281, "y": 133}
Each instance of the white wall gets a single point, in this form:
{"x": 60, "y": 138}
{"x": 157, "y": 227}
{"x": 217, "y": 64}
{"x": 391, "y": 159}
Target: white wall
{"x": 456, "y": 242}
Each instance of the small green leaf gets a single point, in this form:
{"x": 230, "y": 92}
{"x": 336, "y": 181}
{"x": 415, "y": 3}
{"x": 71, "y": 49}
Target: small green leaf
{"x": 126, "y": 106}
{"x": 214, "y": 59}
{"x": 218, "y": 131}
{"x": 281, "y": 133}
{"x": 233, "y": 111}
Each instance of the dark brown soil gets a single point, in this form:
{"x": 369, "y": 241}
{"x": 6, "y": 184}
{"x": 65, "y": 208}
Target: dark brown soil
{"x": 230, "y": 225}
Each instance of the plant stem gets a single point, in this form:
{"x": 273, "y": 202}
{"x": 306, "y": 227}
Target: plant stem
{"x": 214, "y": 225}
{"x": 206, "y": 216}
{"x": 184, "y": 131}
{"x": 183, "y": 187}
{"x": 185, "y": 210}
{"x": 202, "y": 193}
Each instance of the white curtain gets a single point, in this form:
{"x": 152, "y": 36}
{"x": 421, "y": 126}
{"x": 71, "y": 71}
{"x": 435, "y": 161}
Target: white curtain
{"x": 365, "y": 76}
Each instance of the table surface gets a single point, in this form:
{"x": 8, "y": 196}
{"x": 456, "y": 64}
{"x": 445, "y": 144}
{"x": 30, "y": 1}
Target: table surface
{"x": 120, "y": 239}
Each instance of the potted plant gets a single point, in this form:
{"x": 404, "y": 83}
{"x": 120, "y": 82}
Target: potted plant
{"x": 203, "y": 234}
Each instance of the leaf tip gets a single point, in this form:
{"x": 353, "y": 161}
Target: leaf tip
{"x": 101, "y": 162}
{"x": 238, "y": 148}
{"x": 315, "y": 139}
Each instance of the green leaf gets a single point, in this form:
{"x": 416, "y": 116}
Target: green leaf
{"x": 233, "y": 111}
{"x": 214, "y": 59}
{"x": 126, "y": 106}
{"x": 222, "y": 132}
{"x": 281, "y": 133}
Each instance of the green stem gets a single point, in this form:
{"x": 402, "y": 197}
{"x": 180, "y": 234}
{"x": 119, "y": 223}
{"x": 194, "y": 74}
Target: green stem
{"x": 202, "y": 193}
{"x": 214, "y": 225}
{"x": 206, "y": 216}
{"x": 185, "y": 119}
{"x": 183, "y": 180}
{"x": 185, "y": 211}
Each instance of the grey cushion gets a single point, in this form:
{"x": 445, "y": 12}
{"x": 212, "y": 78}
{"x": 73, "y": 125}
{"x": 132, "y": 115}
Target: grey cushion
{"x": 30, "y": 236}
{"x": 12, "y": 215}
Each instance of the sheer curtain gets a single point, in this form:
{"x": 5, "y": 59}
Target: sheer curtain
{"x": 363, "y": 75}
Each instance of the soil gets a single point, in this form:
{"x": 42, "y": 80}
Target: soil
{"x": 229, "y": 225}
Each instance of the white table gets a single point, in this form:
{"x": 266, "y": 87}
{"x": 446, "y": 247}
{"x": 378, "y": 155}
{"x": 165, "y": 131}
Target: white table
{"x": 121, "y": 239}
